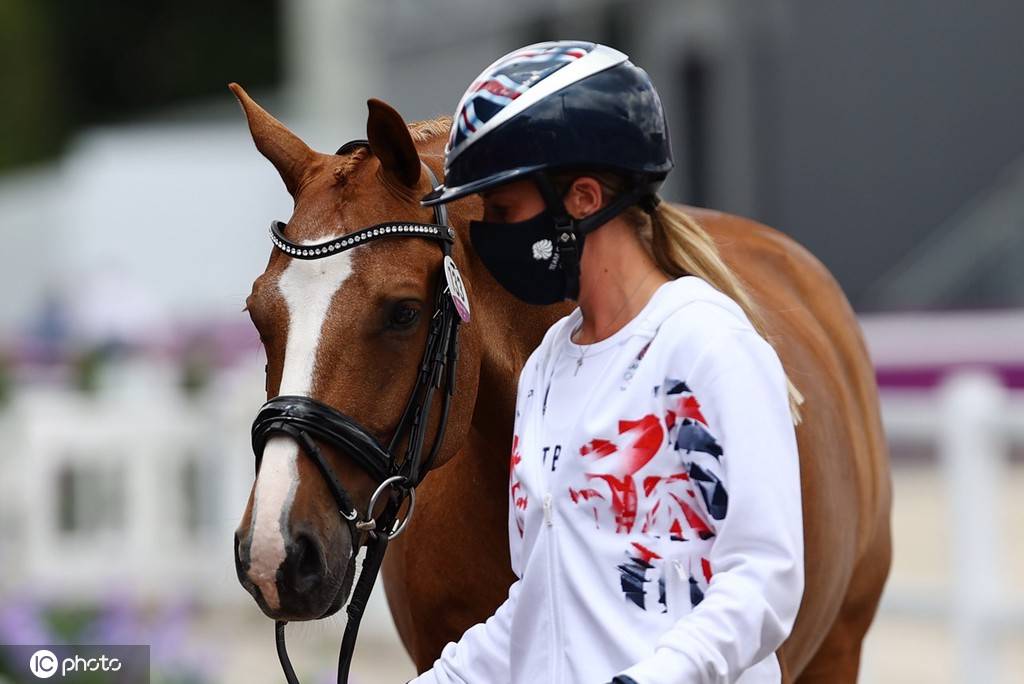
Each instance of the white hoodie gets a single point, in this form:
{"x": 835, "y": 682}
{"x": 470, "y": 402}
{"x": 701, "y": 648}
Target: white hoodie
{"x": 655, "y": 521}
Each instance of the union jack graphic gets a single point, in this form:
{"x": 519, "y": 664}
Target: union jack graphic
{"x": 506, "y": 80}
{"x": 683, "y": 503}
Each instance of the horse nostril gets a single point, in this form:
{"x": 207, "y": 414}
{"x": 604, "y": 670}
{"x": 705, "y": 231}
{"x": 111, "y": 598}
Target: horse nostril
{"x": 241, "y": 566}
{"x": 306, "y": 562}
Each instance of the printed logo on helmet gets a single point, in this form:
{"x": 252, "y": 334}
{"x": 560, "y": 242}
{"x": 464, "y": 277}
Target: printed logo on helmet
{"x": 505, "y": 80}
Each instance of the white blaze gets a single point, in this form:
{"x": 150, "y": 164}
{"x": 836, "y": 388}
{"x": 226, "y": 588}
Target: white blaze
{"x": 308, "y": 287}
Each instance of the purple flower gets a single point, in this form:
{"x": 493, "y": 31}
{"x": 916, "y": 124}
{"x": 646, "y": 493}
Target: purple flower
{"x": 117, "y": 623}
{"x": 22, "y": 624}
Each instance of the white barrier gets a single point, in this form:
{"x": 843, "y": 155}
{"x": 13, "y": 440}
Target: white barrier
{"x": 135, "y": 489}
{"x": 147, "y": 433}
{"x": 972, "y": 421}
{"x": 140, "y": 537}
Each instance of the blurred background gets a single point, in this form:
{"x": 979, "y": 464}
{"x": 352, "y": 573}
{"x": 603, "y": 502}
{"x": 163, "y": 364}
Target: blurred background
{"x": 886, "y": 137}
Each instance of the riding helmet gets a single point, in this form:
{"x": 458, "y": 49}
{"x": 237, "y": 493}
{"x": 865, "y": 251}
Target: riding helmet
{"x": 550, "y": 106}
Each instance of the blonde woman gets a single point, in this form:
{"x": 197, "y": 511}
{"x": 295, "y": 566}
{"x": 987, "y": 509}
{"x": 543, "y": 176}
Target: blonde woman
{"x": 654, "y": 488}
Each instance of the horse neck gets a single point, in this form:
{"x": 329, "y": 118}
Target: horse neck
{"x": 507, "y": 331}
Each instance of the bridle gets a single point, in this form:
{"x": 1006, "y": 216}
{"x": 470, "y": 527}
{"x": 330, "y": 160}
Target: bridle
{"x": 309, "y": 421}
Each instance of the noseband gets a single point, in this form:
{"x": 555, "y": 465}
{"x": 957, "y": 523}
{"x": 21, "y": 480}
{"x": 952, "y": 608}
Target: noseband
{"x": 310, "y": 422}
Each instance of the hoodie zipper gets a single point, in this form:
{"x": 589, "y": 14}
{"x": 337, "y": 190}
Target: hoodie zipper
{"x": 678, "y": 565}
{"x": 681, "y": 586}
{"x": 556, "y": 631}
{"x": 548, "y": 527}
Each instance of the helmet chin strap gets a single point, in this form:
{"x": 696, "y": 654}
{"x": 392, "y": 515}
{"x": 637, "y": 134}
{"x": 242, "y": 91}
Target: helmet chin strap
{"x": 571, "y": 233}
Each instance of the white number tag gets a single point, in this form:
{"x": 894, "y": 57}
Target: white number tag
{"x": 456, "y": 288}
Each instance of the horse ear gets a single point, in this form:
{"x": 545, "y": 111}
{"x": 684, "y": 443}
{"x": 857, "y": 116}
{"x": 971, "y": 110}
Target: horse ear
{"x": 285, "y": 150}
{"x": 392, "y": 144}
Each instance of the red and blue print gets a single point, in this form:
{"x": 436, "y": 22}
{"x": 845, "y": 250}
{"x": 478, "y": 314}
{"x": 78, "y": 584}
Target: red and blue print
{"x": 692, "y": 433}
{"x": 516, "y": 490}
{"x": 682, "y": 502}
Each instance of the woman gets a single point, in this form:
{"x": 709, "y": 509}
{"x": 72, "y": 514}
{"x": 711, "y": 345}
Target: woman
{"x": 654, "y": 493}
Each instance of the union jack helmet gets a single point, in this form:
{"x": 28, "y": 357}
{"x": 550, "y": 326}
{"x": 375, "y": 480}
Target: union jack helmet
{"x": 562, "y": 104}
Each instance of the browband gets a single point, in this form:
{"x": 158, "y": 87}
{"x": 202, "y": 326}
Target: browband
{"x": 439, "y": 230}
{"x": 340, "y": 244}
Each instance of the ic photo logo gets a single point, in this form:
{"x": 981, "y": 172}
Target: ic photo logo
{"x": 44, "y": 664}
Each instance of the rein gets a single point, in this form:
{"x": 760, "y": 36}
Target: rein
{"x": 309, "y": 421}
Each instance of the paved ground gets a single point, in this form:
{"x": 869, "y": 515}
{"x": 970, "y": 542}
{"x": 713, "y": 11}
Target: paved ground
{"x": 900, "y": 649}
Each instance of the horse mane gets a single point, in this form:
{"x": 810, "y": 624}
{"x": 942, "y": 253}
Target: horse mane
{"x": 421, "y": 132}
{"x": 425, "y": 131}
{"x": 343, "y": 170}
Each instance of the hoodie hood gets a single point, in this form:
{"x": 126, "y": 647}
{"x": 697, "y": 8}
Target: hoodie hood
{"x": 669, "y": 298}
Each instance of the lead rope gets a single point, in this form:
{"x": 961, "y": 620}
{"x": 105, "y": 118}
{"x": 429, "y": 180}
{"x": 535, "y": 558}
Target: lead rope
{"x": 356, "y": 606}
{"x": 282, "y": 653}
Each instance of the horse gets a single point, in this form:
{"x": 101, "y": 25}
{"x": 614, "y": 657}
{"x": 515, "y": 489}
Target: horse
{"x": 349, "y": 331}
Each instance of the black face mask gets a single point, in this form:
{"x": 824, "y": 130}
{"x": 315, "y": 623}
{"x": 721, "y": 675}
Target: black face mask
{"x": 524, "y": 257}
{"x": 538, "y": 260}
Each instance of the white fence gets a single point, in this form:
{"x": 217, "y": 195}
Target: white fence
{"x": 137, "y": 487}
{"x": 135, "y": 490}
{"x": 971, "y": 421}
{"x": 141, "y": 487}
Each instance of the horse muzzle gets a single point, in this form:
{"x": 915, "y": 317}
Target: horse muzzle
{"x": 307, "y": 583}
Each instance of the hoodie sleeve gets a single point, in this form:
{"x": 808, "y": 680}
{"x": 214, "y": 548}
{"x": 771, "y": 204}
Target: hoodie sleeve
{"x": 481, "y": 655}
{"x": 757, "y": 558}
{"x": 483, "y": 652}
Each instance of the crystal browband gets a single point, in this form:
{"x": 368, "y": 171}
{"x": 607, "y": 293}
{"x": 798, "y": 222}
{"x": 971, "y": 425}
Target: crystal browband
{"x": 340, "y": 244}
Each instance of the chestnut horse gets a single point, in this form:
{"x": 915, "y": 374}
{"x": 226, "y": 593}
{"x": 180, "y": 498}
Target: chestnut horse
{"x": 349, "y": 330}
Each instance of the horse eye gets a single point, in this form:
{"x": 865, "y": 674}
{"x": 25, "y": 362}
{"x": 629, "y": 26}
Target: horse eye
{"x": 404, "y": 316}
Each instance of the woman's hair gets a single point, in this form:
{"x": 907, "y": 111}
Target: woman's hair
{"x": 680, "y": 246}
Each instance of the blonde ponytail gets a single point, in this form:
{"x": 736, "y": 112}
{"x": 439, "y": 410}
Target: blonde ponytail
{"x": 680, "y": 246}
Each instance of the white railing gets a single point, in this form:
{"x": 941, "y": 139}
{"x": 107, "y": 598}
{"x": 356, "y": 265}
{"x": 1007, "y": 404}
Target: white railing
{"x": 137, "y": 488}
{"x": 971, "y": 420}
{"x": 147, "y": 432}
{"x": 133, "y": 440}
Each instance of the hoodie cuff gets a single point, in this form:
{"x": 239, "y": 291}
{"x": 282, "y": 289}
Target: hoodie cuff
{"x": 666, "y": 666}
{"x": 427, "y": 677}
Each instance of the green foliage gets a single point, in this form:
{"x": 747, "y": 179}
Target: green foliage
{"x": 6, "y": 380}
{"x": 31, "y": 122}
{"x": 66, "y": 622}
{"x": 65, "y": 64}
{"x": 196, "y": 371}
{"x": 87, "y": 369}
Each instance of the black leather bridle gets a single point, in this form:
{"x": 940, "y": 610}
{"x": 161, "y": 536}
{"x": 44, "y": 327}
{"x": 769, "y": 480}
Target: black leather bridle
{"x": 309, "y": 421}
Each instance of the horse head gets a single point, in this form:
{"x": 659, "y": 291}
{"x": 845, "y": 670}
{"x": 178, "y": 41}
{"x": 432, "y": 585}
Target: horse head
{"x": 348, "y": 331}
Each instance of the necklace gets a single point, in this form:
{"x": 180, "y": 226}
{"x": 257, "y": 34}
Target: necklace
{"x": 583, "y": 354}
